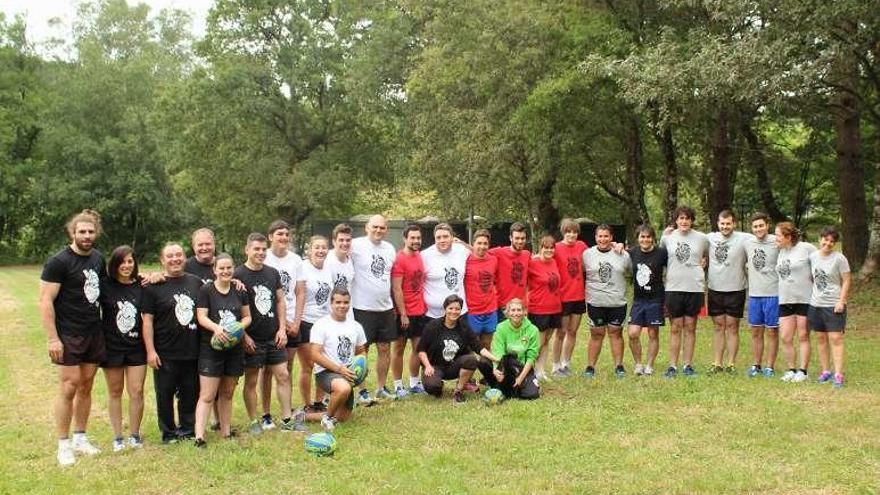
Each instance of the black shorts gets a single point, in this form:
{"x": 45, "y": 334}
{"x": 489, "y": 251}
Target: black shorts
{"x": 793, "y": 309}
{"x": 546, "y": 322}
{"x": 379, "y": 326}
{"x": 727, "y": 303}
{"x": 82, "y": 349}
{"x": 118, "y": 358}
{"x": 214, "y": 363}
{"x": 266, "y": 354}
{"x": 574, "y": 308}
{"x": 614, "y": 316}
{"x": 825, "y": 320}
{"x": 416, "y": 326}
{"x": 324, "y": 381}
{"x": 680, "y": 304}
{"x": 302, "y": 338}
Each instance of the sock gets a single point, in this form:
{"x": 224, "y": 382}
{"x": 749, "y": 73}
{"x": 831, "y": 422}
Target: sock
{"x": 398, "y": 384}
{"x": 566, "y": 364}
{"x": 413, "y": 381}
{"x": 556, "y": 367}
{"x": 79, "y": 435}
{"x": 267, "y": 416}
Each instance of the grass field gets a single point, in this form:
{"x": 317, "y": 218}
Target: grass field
{"x": 720, "y": 434}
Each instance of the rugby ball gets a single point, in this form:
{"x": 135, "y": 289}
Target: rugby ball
{"x": 320, "y": 444}
{"x": 493, "y": 397}
{"x": 358, "y": 366}
{"x": 234, "y": 332}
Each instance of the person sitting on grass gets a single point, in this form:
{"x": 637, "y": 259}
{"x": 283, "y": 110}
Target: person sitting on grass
{"x": 516, "y": 342}
{"x": 448, "y": 350}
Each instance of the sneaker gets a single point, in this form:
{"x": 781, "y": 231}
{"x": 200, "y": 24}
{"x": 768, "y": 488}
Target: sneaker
{"x": 639, "y": 369}
{"x": 799, "y": 377}
{"x": 254, "y": 428}
{"x": 328, "y": 423}
{"x": 266, "y": 423}
{"x": 671, "y": 372}
{"x": 82, "y": 445}
{"x": 458, "y": 397}
{"x": 566, "y": 371}
{"x": 364, "y": 398}
{"x": 787, "y": 377}
{"x": 215, "y": 426}
{"x": 65, "y": 453}
{"x": 200, "y": 443}
{"x": 401, "y": 392}
{"x": 825, "y": 377}
{"x": 754, "y": 370}
{"x": 620, "y": 372}
{"x": 135, "y": 442}
{"x": 730, "y": 369}
{"x": 296, "y": 424}
{"x": 648, "y": 371}
{"x": 589, "y": 372}
{"x": 558, "y": 373}
{"x": 689, "y": 371}
{"x": 711, "y": 370}
{"x": 169, "y": 440}
{"x": 471, "y": 387}
{"x": 384, "y": 394}
{"x": 417, "y": 389}
{"x": 769, "y": 372}
{"x": 838, "y": 381}
{"x": 118, "y": 444}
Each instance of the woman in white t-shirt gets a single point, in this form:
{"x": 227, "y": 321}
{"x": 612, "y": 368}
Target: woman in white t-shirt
{"x": 795, "y": 280}
{"x": 315, "y": 284}
{"x": 827, "y": 313}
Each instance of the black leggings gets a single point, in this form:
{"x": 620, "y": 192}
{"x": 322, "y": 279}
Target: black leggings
{"x": 447, "y": 371}
{"x": 512, "y": 367}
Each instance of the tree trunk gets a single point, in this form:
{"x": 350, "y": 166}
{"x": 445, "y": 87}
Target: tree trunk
{"x": 635, "y": 179}
{"x": 722, "y": 177}
{"x": 759, "y": 166}
{"x": 662, "y": 132}
{"x": 872, "y": 260}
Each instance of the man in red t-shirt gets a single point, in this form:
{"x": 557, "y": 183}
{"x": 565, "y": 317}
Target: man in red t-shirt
{"x": 407, "y": 287}
{"x": 479, "y": 288}
{"x": 512, "y": 273}
{"x": 569, "y": 260}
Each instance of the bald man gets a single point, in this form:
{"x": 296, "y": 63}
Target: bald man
{"x": 372, "y": 257}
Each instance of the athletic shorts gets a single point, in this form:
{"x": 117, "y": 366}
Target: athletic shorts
{"x": 81, "y": 349}
{"x": 302, "y": 338}
{"x": 601, "y": 316}
{"x": 484, "y": 323}
{"x": 266, "y": 354}
{"x": 764, "y": 311}
{"x": 379, "y": 326}
{"x": 646, "y": 313}
{"x": 546, "y": 322}
{"x": 416, "y": 327}
{"x": 574, "y": 308}
{"x": 118, "y": 358}
{"x": 825, "y": 319}
{"x": 793, "y": 309}
{"x": 680, "y": 304}
{"x": 325, "y": 378}
{"x": 727, "y": 303}
{"x": 216, "y": 363}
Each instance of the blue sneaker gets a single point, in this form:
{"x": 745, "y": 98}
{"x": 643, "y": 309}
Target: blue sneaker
{"x": 689, "y": 371}
{"x": 825, "y": 377}
{"x": 838, "y": 381}
{"x": 401, "y": 392}
{"x": 590, "y": 372}
{"x": 364, "y": 399}
{"x": 620, "y": 372}
{"x": 417, "y": 389}
{"x": 754, "y": 371}
{"x": 769, "y": 373}
{"x": 671, "y": 372}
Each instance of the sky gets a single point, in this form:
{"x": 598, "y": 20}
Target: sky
{"x": 39, "y": 12}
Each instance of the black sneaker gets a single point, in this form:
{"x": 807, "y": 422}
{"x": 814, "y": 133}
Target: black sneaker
{"x": 215, "y": 426}
{"x": 458, "y": 397}
{"x": 200, "y": 443}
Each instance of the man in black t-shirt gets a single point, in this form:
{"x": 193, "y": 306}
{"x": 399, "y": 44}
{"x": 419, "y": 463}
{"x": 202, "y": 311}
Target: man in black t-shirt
{"x": 201, "y": 263}
{"x": 69, "y": 307}
{"x": 172, "y": 341}
{"x": 648, "y": 262}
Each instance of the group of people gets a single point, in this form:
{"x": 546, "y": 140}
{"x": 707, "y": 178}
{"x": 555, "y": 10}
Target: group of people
{"x": 461, "y": 307}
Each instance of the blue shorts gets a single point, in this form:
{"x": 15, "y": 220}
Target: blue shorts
{"x": 764, "y": 311}
{"x": 484, "y": 323}
{"x": 646, "y": 313}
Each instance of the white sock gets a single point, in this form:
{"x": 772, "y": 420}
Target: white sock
{"x": 413, "y": 381}
{"x": 77, "y": 437}
{"x": 398, "y": 384}
{"x": 63, "y": 443}
{"x": 556, "y": 367}
{"x": 566, "y": 364}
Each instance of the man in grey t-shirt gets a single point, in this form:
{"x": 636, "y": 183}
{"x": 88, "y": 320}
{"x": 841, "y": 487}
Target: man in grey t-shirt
{"x": 761, "y": 255}
{"x": 685, "y": 287}
{"x": 727, "y": 289}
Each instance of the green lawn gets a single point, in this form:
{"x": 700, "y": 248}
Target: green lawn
{"x": 638, "y": 435}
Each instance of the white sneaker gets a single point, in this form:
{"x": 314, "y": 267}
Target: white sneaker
{"x": 82, "y": 445}
{"x": 65, "y": 453}
{"x": 639, "y": 369}
{"x": 787, "y": 377}
{"x": 118, "y": 445}
{"x": 648, "y": 371}
{"x": 328, "y": 423}
{"x": 135, "y": 442}
{"x": 799, "y": 377}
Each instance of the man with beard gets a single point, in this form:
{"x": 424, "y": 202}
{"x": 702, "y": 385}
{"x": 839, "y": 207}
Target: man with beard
{"x": 408, "y": 285}
{"x": 727, "y": 290}
{"x": 513, "y": 268}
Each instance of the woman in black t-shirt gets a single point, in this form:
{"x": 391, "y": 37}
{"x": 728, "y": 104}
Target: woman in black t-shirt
{"x": 448, "y": 350}
{"x": 125, "y": 364}
{"x": 648, "y": 262}
{"x": 219, "y": 304}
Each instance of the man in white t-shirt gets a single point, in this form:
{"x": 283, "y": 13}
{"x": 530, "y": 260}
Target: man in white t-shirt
{"x": 727, "y": 290}
{"x": 372, "y": 257}
{"x": 445, "y": 263}
{"x": 335, "y": 339}
{"x": 289, "y": 266}
{"x": 338, "y": 259}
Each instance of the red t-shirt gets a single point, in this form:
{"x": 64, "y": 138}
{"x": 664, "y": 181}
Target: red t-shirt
{"x": 544, "y": 288}
{"x": 512, "y": 274}
{"x": 412, "y": 270}
{"x": 479, "y": 284}
{"x": 569, "y": 261}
